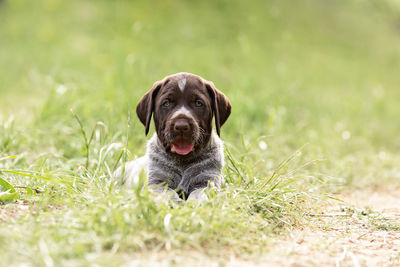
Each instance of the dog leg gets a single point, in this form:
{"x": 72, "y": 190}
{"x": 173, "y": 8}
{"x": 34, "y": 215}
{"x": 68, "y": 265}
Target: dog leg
{"x": 129, "y": 174}
{"x": 167, "y": 192}
{"x": 198, "y": 194}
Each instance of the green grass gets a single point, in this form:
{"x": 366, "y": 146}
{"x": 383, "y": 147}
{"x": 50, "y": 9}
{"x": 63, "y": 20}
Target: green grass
{"x": 317, "y": 75}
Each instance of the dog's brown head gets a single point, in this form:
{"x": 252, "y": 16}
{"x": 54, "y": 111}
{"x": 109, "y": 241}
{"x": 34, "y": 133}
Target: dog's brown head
{"x": 184, "y": 105}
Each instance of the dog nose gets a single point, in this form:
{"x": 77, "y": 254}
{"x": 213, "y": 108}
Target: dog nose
{"x": 182, "y": 126}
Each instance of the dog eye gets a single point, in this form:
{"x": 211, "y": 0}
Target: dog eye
{"x": 198, "y": 103}
{"x": 166, "y": 103}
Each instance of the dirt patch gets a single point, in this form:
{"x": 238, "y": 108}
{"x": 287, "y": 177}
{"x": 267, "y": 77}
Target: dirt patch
{"x": 12, "y": 211}
{"x": 362, "y": 231}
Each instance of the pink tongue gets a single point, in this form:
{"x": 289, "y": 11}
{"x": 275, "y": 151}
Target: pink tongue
{"x": 182, "y": 147}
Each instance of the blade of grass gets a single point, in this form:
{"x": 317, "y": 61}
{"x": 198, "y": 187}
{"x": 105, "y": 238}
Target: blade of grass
{"x": 38, "y": 177}
{"x": 84, "y": 136}
{"x": 281, "y": 166}
{"x": 9, "y": 191}
{"x": 8, "y": 157}
{"x": 6, "y": 185}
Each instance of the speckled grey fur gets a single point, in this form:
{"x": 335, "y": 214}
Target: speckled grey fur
{"x": 190, "y": 175}
{"x": 185, "y": 174}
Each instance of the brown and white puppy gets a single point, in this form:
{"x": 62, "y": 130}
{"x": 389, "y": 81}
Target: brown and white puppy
{"x": 184, "y": 155}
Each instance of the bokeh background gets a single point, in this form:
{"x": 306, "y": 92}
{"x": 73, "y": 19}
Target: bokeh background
{"x": 320, "y": 77}
{"x": 324, "y": 74}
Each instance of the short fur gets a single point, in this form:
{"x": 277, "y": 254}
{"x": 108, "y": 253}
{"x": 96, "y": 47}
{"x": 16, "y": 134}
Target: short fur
{"x": 200, "y": 101}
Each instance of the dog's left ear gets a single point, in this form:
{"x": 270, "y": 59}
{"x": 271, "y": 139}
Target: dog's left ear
{"x": 145, "y": 107}
{"x": 220, "y": 105}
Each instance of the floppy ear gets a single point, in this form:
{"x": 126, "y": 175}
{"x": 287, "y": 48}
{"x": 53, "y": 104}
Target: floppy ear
{"x": 220, "y": 105}
{"x": 145, "y": 107}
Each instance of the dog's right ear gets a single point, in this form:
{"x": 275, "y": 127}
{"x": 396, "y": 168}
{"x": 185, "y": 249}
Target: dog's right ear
{"x": 145, "y": 107}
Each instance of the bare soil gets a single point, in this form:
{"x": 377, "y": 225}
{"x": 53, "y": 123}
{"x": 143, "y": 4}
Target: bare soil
{"x": 364, "y": 230}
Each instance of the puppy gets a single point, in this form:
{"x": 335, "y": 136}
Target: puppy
{"x": 185, "y": 154}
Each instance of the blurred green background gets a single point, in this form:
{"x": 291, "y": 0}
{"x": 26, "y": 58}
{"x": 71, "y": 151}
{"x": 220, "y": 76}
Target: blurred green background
{"x": 320, "y": 73}
{"x": 317, "y": 74}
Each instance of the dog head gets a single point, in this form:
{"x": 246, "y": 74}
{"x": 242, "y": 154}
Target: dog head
{"x": 184, "y": 105}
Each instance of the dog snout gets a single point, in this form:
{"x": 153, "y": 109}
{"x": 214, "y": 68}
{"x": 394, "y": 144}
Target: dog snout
{"x": 182, "y": 126}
